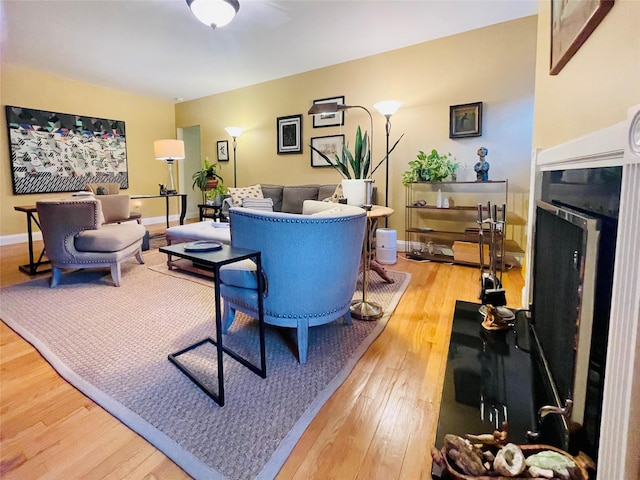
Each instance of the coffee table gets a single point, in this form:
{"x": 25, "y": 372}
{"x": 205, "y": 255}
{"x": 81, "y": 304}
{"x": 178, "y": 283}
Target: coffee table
{"x": 213, "y": 260}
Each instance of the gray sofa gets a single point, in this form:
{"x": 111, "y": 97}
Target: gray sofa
{"x": 289, "y": 198}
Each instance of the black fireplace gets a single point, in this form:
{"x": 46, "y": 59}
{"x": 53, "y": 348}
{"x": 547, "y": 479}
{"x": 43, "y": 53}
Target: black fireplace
{"x": 574, "y": 252}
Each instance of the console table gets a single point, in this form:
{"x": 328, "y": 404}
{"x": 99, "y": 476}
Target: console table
{"x": 213, "y": 261}
{"x": 34, "y": 266}
{"x": 183, "y": 203}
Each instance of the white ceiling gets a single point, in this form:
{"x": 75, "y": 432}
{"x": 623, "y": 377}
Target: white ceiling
{"x": 158, "y": 48}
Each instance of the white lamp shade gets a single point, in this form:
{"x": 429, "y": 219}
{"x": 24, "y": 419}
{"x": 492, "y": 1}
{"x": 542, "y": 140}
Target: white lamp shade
{"x": 215, "y": 13}
{"x": 388, "y": 107}
{"x": 234, "y": 131}
{"x": 168, "y": 149}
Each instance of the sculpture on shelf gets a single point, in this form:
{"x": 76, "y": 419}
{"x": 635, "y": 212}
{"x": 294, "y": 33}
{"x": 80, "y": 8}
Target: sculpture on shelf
{"x": 482, "y": 167}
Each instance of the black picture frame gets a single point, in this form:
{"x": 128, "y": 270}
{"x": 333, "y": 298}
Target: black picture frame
{"x": 62, "y": 152}
{"x": 222, "y": 148}
{"x": 329, "y": 119}
{"x": 330, "y": 145}
{"x": 572, "y": 22}
{"x": 289, "y": 134}
{"x": 465, "y": 120}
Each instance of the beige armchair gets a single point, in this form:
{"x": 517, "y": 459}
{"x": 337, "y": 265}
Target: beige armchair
{"x": 74, "y": 237}
{"x": 108, "y": 190}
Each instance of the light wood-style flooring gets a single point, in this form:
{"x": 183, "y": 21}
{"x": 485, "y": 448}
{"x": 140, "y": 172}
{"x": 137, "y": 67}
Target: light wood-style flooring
{"x": 380, "y": 424}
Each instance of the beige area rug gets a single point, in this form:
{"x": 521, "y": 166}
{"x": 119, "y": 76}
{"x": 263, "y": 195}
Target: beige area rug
{"x": 112, "y": 344}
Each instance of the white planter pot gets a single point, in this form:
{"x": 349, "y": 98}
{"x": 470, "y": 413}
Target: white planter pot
{"x": 354, "y": 191}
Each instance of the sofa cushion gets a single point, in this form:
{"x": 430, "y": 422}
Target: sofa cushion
{"x": 294, "y": 197}
{"x": 274, "y": 192}
{"x": 330, "y": 192}
{"x": 264, "y": 204}
{"x": 109, "y": 238}
{"x": 237, "y": 194}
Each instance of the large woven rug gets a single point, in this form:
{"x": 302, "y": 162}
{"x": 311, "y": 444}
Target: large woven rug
{"x": 112, "y": 344}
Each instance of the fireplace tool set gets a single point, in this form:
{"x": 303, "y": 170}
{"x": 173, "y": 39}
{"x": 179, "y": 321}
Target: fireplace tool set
{"x": 492, "y": 295}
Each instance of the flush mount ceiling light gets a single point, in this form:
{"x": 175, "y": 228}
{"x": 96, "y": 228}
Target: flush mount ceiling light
{"x": 215, "y": 13}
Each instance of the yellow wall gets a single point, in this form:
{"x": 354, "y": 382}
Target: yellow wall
{"x": 146, "y": 120}
{"x": 595, "y": 88}
{"x": 495, "y": 65}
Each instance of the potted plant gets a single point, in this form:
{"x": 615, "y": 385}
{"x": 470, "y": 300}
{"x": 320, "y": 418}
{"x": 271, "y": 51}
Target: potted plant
{"x": 216, "y": 195}
{"x": 353, "y": 167}
{"x": 207, "y": 178}
{"x": 431, "y": 168}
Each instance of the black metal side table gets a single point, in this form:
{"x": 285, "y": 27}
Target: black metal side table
{"x": 214, "y": 260}
{"x": 205, "y": 212}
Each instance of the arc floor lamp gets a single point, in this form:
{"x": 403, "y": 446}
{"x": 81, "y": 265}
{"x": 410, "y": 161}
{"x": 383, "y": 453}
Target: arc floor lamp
{"x": 361, "y": 309}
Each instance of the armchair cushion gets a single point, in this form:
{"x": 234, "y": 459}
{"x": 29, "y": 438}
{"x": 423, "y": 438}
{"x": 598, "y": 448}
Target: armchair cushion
{"x": 240, "y": 274}
{"x": 115, "y": 208}
{"x": 109, "y": 238}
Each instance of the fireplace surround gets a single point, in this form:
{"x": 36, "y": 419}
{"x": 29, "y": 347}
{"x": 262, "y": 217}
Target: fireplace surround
{"x": 615, "y": 146}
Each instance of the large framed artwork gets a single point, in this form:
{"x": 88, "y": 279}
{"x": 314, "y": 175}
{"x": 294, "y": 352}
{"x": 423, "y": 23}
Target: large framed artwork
{"x": 289, "y": 133}
{"x": 572, "y": 22}
{"x": 330, "y": 145}
{"x": 465, "y": 120}
{"x": 61, "y": 152}
{"x": 329, "y": 119}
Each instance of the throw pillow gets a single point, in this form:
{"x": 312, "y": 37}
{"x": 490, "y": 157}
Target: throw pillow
{"x": 237, "y": 194}
{"x": 337, "y": 194}
{"x": 264, "y": 204}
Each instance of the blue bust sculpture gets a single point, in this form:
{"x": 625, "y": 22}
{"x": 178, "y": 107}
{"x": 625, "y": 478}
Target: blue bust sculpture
{"x": 482, "y": 167}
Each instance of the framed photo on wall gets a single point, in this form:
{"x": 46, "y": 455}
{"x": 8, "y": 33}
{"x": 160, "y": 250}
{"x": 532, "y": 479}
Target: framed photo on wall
{"x": 329, "y": 119}
{"x": 223, "y": 151}
{"x": 572, "y": 22}
{"x": 289, "y": 134}
{"x": 330, "y": 145}
{"x": 465, "y": 120}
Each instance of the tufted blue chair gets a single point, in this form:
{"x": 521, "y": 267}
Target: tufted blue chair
{"x": 310, "y": 263}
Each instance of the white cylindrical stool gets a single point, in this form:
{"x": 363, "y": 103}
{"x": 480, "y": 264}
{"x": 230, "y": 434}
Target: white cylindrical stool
{"x": 386, "y": 246}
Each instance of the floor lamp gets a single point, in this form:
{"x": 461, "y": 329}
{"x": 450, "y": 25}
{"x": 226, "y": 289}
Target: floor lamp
{"x": 169, "y": 150}
{"x": 360, "y": 309}
{"x": 387, "y": 108}
{"x": 234, "y": 132}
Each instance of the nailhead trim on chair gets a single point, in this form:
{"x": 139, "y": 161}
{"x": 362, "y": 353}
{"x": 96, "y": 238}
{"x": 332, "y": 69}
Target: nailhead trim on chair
{"x": 297, "y": 220}
{"x": 249, "y": 307}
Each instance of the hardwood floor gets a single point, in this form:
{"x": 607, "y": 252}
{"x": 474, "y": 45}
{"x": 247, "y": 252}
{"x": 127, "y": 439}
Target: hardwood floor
{"x": 380, "y": 424}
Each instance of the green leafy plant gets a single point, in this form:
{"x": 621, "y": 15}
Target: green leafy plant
{"x": 201, "y": 177}
{"x": 216, "y": 195}
{"x": 352, "y": 166}
{"x": 431, "y": 168}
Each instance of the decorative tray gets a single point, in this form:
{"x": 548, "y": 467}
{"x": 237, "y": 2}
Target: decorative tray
{"x": 202, "y": 246}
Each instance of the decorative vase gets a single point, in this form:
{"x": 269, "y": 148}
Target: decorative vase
{"x": 354, "y": 190}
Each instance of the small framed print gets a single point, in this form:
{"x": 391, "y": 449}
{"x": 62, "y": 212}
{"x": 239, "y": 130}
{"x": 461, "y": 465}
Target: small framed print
{"x": 223, "y": 151}
{"x": 330, "y": 145}
{"x": 465, "y": 120}
{"x": 329, "y": 119}
{"x": 289, "y": 132}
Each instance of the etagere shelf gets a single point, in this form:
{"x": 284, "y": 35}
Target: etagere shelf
{"x": 450, "y": 233}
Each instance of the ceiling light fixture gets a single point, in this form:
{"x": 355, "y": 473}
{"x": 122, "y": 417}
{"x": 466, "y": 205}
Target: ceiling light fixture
{"x": 215, "y": 13}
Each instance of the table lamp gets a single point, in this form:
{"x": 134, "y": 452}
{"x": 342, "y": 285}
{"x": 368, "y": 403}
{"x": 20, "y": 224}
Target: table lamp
{"x": 169, "y": 150}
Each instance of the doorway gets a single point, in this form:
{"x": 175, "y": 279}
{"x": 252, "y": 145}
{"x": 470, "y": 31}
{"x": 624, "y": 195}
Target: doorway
{"x": 190, "y": 165}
